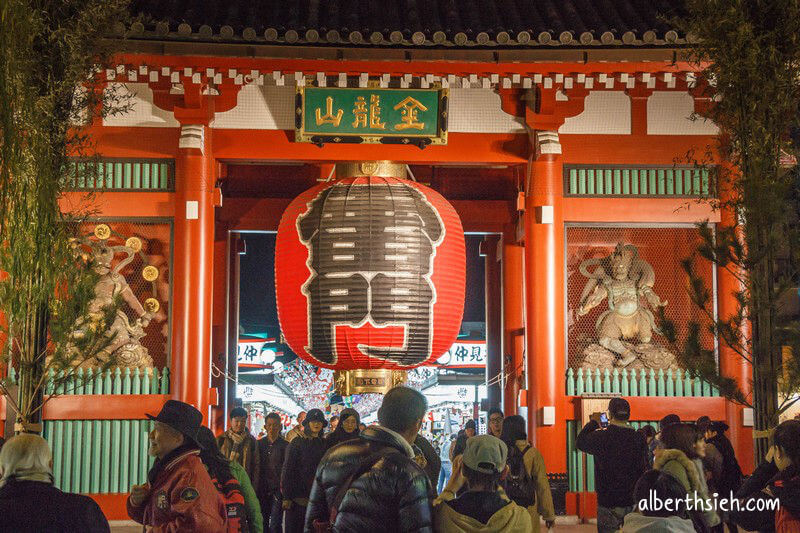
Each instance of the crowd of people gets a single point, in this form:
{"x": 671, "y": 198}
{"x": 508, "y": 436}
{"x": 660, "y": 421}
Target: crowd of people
{"x": 338, "y": 475}
{"x": 691, "y": 470}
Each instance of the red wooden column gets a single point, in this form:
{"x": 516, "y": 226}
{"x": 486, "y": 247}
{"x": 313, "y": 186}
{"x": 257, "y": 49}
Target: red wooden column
{"x": 513, "y": 319}
{"x": 494, "y": 320}
{"x": 193, "y": 265}
{"x": 731, "y": 364}
{"x": 544, "y": 301}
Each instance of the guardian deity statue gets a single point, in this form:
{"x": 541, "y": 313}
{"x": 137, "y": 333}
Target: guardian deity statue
{"x": 125, "y": 347}
{"x": 624, "y": 279}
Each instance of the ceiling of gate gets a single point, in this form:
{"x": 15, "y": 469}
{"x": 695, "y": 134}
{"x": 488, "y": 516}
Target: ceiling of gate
{"x": 260, "y": 180}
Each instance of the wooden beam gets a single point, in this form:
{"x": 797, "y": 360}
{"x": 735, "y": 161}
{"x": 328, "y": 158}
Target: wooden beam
{"x": 641, "y": 210}
{"x": 264, "y": 214}
{"x": 103, "y": 406}
{"x": 657, "y": 407}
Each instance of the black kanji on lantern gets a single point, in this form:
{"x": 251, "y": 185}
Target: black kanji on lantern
{"x": 371, "y": 249}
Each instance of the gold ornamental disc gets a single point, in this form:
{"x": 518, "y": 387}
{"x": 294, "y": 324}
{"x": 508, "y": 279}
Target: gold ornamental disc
{"x": 150, "y": 273}
{"x": 102, "y": 231}
{"x": 134, "y": 243}
{"x": 151, "y": 305}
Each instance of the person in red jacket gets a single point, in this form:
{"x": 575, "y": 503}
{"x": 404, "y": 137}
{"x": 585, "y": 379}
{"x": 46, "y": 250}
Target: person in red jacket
{"x": 179, "y": 494}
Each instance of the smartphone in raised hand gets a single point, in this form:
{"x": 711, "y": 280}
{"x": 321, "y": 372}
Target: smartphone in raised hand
{"x": 603, "y": 420}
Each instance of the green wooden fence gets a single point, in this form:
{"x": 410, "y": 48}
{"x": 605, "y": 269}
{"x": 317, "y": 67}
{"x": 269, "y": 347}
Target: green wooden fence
{"x": 581, "y": 180}
{"x": 102, "y": 456}
{"x": 579, "y": 463}
{"x": 642, "y": 382}
{"x": 123, "y": 175}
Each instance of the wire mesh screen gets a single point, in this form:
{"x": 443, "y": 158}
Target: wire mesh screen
{"x": 617, "y": 278}
{"x": 135, "y": 258}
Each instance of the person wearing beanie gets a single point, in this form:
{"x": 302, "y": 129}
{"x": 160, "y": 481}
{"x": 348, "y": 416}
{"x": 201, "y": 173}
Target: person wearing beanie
{"x": 347, "y": 429}
{"x": 302, "y": 457}
{"x": 483, "y": 507}
{"x": 238, "y": 445}
{"x": 620, "y": 458}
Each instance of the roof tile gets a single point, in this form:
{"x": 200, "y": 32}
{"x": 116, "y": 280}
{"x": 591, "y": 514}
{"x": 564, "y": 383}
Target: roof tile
{"x": 469, "y": 23}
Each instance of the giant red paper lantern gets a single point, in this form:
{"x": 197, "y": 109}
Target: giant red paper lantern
{"x": 369, "y": 273}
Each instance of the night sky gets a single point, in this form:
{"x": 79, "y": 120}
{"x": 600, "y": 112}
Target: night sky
{"x": 257, "y": 293}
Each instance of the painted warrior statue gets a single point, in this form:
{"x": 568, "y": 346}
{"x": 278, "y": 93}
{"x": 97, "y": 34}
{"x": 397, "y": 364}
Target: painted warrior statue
{"x": 623, "y": 278}
{"x": 125, "y": 347}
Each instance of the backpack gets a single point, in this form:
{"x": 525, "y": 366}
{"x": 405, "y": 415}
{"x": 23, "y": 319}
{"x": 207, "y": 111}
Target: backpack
{"x": 235, "y": 510}
{"x": 518, "y": 485}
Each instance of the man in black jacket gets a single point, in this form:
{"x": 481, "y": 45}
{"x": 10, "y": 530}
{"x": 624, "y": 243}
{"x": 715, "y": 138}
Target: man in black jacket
{"x": 272, "y": 451}
{"x": 620, "y": 458}
{"x": 389, "y": 492}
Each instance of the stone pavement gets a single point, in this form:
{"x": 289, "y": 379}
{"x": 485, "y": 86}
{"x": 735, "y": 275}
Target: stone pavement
{"x": 120, "y": 526}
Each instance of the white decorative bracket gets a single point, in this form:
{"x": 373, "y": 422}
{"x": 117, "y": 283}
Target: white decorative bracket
{"x": 192, "y": 136}
{"x": 547, "y": 143}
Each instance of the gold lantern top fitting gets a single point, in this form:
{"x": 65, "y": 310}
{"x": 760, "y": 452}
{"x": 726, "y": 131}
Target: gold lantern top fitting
{"x": 378, "y": 169}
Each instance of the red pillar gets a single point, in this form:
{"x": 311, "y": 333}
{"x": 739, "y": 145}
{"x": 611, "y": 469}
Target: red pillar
{"x": 513, "y": 320}
{"x": 544, "y": 301}
{"x": 219, "y": 332}
{"x": 731, "y": 364}
{"x": 494, "y": 320}
{"x": 193, "y": 269}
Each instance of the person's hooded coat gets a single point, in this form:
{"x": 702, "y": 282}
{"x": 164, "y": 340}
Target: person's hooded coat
{"x": 675, "y": 463}
{"x": 638, "y": 523}
{"x": 479, "y": 513}
{"x": 339, "y": 435}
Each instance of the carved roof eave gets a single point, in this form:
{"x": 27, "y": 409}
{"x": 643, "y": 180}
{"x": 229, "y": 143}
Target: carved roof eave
{"x": 165, "y": 71}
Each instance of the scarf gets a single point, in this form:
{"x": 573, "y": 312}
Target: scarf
{"x": 235, "y": 453}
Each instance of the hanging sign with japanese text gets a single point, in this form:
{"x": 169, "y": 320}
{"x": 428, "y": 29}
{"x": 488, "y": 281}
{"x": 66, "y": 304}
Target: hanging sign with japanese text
{"x": 467, "y": 354}
{"x": 388, "y": 116}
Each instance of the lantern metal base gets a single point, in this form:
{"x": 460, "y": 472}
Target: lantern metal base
{"x": 349, "y": 382}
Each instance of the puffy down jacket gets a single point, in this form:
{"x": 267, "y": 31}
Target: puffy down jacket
{"x": 394, "y": 495}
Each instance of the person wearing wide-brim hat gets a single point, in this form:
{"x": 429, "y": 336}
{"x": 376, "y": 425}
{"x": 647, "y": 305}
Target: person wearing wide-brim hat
{"x": 179, "y": 494}
{"x": 302, "y": 457}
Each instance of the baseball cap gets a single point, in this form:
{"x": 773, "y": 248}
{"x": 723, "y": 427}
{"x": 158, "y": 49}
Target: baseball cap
{"x": 485, "y": 454}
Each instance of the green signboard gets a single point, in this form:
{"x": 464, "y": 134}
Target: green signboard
{"x": 371, "y": 115}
